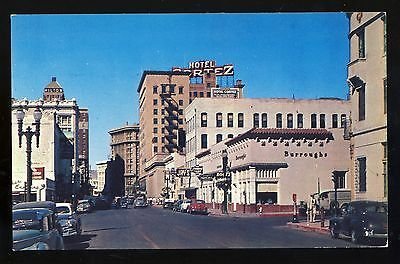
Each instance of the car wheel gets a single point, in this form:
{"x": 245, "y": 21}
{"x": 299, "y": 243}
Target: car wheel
{"x": 334, "y": 233}
{"x": 355, "y": 237}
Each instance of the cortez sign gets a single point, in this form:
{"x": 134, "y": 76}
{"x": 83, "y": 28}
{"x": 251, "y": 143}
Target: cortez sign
{"x": 198, "y": 68}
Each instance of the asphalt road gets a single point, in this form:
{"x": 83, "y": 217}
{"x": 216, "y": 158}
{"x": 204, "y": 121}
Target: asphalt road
{"x": 156, "y": 228}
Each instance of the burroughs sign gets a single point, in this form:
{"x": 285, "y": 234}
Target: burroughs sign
{"x": 38, "y": 173}
{"x": 198, "y": 68}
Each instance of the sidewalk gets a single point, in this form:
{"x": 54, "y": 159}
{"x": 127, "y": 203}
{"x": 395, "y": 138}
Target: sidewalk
{"x": 313, "y": 227}
{"x": 218, "y": 213}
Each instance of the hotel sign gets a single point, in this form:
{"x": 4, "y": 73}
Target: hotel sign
{"x": 38, "y": 173}
{"x": 198, "y": 68}
{"x": 225, "y": 92}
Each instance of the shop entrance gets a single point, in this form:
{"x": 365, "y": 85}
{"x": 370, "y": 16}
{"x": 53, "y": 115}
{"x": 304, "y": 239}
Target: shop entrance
{"x": 267, "y": 197}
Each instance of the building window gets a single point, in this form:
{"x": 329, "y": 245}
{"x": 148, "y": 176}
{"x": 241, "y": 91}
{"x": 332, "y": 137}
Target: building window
{"x": 172, "y": 88}
{"x": 218, "y": 120}
{"x": 384, "y": 96}
{"x": 230, "y": 119}
{"x": 362, "y": 174}
{"x": 201, "y": 94}
{"x": 155, "y": 149}
{"x": 163, "y": 111}
{"x": 162, "y": 101}
{"x": 361, "y": 43}
{"x": 155, "y": 101}
{"x": 190, "y": 101}
{"x": 155, "y": 139}
{"x": 208, "y": 94}
{"x": 155, "y": 111}
{"x": 240, "y": 120}
{"x": 341, "y": 182}
{"x": 256, "y": 120}
{"x": 155, "y": 121}
{"x": 219, "y": 138}
{"x": 155, "y": 89}
{"x": 180, "y": 89}
{"x": 313, "y": 120}
{"x": 289, "y": 120}
{"x": 203, "y": 119}
{"x": 181, "y": 102}
{"x": 342, "y": 120}
{"x": 163, "y": 88}
{"x": 180, "y": 111}
{"x": 361, "y": 103}
{"x": 334, "y": 121}
{"x": 230, "y": 135}
{"x": 194, "y": 94}
{"x": 322, "y": 120}
{"x": 190, "y": 94}
{"x": 155, "y": 130}
{"x": 279, "y": 120}
{"x": 208, "y": 85}
{"x": 299, "y": 120}
{"x": 203, "y": 140}
{"x": 180, "y": 121}
{"x": 264, "y": 120}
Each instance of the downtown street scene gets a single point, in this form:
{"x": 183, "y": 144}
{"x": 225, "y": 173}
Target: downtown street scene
{"x": 199, "y": 131}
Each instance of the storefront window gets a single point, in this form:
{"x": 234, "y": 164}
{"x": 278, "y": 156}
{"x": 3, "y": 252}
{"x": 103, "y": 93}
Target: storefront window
{"x": 290, "y": 120}
{"x": 299, "y": 120}
{"x": 279, "y": 120}
{"x": 256, "y": 120}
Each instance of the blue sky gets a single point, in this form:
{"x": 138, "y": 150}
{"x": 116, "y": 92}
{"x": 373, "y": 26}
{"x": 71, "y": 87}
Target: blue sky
{"x": 99, "y": 59}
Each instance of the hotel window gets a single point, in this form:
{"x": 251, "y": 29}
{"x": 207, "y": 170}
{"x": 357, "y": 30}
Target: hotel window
{"x": 203, "y": 140}
{"x": 334, "y": 121}
{"x": 240, "y": 120}
{"x": 264, "y": 120}
{"x": 163, "y": 140}
{"x": 361, "y": 43}
{"x": 289, "y": 120}
{"x": 154, "y": 101}
{"x": 279, "y": 120}
{"x": 180, "y": 102}
{"x": 155, "y": 130}
{"x": 299, "y": 120}
{"x": 208, "y": 85}
{"x": 230, "y": 119}
{"x": 155, "y": 121}
{"x": 155, "y": 111}
{"x": 384, "y": 96}
{"x": 155, "y": 149}
{"x": 162, "y": 101}
{"x": 256, "y": 120}
{"x": 155, "y": 89}
{"x": 163, "y": 111}
{"x": 313, "y": 120}
{"x": 172, "y": 88}
{"x": 190, "y": 94}
{"x": 219, "y": 138}
{"x": 163, "y": 88}
{"x": 230, "y": 135}
{"x": 155, "y": 139}
{"x": 208, "y": 94}
{"x": 201, "y": 94}
{"x": 322, "y": 120}
{"x": 194, "y": 94}
{"x": 203, "y": 119}
{"x": 180, "y": 121}
{"x": 180, "y": 89}
{"x": 180, "y": 111}
{"x": 362, "y": 174}
{"x": 361, "y": 104}
{"x": 218, "y": 120}
{"x": 342, "y": 120}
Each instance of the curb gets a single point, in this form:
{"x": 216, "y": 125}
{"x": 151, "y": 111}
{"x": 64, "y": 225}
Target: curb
{"x": 317, "y": 229}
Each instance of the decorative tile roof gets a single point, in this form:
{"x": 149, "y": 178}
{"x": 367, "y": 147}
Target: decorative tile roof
{"x": 284, "y": 133}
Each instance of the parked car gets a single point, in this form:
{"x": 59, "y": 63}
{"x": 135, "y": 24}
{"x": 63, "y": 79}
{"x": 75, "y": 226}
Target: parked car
{"x": 327, "y": 200}
{"x": 35, "y": 229}
{"x": 176, "y": 207}
{"x": 84, "y": 206}
{"x": 185, "y": 204}
{"x": 197, "y": 207}
{"x": 101, "y": 204}
{"x": 140, "y": 202}
{"x": 361, "y": 220}
{"x": 124, "y": 203}
{"x": 69, "y": 220}
{"x": 168, "y": 203}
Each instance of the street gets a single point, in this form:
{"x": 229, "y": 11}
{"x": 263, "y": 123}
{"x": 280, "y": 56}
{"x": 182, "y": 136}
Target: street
{"x": 157, "y": 228}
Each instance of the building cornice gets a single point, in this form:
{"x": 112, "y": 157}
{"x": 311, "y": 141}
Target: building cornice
{"x": 365, "y": 24}
{"x": 169, "y": 73}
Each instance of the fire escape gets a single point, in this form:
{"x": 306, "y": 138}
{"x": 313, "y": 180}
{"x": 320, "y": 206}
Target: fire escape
{"x": 171, "y": 123}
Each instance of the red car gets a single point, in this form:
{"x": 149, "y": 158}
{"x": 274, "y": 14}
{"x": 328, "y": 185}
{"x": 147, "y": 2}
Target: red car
{"x": 197, "y": 207}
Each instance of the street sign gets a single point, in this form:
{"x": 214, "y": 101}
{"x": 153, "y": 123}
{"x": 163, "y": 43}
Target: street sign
{"x": 197, "y": 169}
{"x": 183, "y": 172}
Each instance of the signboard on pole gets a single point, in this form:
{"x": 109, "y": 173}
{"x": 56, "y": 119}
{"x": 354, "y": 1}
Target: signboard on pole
{"x": 198, "y": 170}
{"x": 38, "y": 173}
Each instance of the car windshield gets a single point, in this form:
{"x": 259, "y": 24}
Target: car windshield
{"x": 26, "y": 220}
{"x": 62, "y": 210}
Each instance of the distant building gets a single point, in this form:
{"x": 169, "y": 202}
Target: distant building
{"x": 102, "y": 170}
{"x": 125, "y": 144}
{"x": 94, "y": 183}
{"x": 367, "y": 78}
{"x": 83, "y": 148}
{"x": 53, "y": 91}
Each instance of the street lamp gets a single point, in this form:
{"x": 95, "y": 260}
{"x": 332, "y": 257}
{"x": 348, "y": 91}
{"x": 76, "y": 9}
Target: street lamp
{"x": 28, "y": 133}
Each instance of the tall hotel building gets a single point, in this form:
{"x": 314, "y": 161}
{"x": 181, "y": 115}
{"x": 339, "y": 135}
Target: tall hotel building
{"x": 368, "y": 89}
{"x": 125, "y": 144}
{"x": 163, "y": 96}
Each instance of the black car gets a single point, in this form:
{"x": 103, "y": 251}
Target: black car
{"x": 361, "y": 220}
{"x": 176, "y": 207}
{"x": 35, "y": 229}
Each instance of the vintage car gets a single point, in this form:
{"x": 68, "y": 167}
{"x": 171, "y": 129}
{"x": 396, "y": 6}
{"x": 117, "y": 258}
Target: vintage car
{"x": 68, "y": 219}
{"x": 327, "y": 200}
{"x": 185, "y": 205}
{"x": 84, "y": 206}
{"x": 168, "y": 203}
{"x": 124, "y": 203}
{"x": 35, "y": 229}
{"x": 197, "y": 207}
{"x": 140, "y": 202}
{"x": 176, "y": 207}
{"x": 361, "y": 220}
